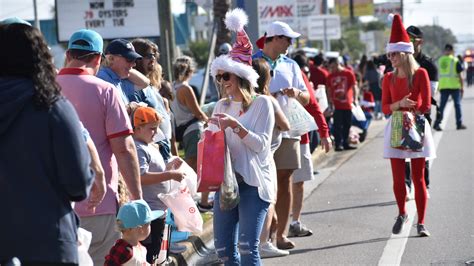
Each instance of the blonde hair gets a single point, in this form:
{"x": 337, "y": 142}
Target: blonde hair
{"x": 408, "y": 65}
{"x": 183, "y": 68}
{"x": 247, "y": 93}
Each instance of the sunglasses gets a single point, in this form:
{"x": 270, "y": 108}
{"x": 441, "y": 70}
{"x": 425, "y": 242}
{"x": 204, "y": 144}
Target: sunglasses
{"x": 392, "y": 54}
{"x": 225, "y": 76}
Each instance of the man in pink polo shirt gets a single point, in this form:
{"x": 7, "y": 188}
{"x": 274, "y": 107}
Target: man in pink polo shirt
{"x": 102, "y": 112}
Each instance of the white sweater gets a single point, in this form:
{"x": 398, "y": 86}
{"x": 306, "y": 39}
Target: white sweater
{"x": 251, "y": 155}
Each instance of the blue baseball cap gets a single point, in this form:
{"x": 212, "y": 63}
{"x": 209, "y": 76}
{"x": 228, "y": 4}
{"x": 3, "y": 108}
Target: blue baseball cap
{"x": 92, "y": 41}
{"x": 137, "y": 213}
{"x": 13, "y": 20}
{"x": 124, "y": 48}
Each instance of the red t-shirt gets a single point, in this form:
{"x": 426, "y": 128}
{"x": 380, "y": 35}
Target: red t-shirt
{"x": 395, "y": 91}
{"x": 318, "y": 76}
{"x": 341, "y": 89}
{"x": 313, "y": 109}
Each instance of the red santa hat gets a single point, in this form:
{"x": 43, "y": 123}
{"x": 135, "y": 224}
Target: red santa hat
{"x": 399, "y": 38}
{"x": 239, "y": 60}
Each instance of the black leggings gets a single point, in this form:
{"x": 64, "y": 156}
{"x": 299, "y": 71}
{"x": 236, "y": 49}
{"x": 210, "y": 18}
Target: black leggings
{"x": 153, "y": 242}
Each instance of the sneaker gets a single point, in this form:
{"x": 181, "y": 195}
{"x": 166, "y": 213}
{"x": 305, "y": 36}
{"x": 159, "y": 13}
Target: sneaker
{"x": 268, "y": 250}
{"x": 298, "y": 230}
{"x": 399, "y": 223}
{"x": 437, "y": 128}
{"x": 177, "y": 249}
{"x": 349, "y": 147}
{"x": 204, "y": 208}
{"x": 460, "y": 127}
{"x": 422, "y": 232}
{"x": 339, "y": 148}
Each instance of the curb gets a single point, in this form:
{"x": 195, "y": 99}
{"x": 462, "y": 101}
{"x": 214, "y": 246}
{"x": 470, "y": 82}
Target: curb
{"x": 196, "y": 245}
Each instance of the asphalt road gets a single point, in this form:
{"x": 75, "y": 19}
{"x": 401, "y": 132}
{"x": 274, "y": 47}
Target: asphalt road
{"x": 351, "y": 207}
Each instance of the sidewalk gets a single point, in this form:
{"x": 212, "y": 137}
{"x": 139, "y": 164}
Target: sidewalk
{"x": 198, "y": 246}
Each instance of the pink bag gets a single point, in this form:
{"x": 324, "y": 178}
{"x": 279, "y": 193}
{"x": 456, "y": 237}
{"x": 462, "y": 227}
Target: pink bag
{"x": 186, "y": 214}
{"x": 210, "y": 161}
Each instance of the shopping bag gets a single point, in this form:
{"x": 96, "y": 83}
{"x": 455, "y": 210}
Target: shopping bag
{"x": 321, "y": 97}
{"x": 190, "y": 179}
{"x": 408, "y": 131}
{"x": 210, "y": 161}
{"x": 358, "y": 113}
{"x": 184, "y": 209}
{"x": 229, "y": 191}
{"x": 300, "y": 120}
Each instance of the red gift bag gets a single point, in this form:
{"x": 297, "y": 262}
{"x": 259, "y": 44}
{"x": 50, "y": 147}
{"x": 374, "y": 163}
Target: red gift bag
{"x": 210, "y": 161}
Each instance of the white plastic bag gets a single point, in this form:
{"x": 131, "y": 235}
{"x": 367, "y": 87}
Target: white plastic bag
{"x": 358, "y": 113}
{"x": 321, "y": 97}
{"x": 186, "y": 214}
{"x": 190, "y": 178}
{"x": 300, "y": 120}
{"x": 84, "y": 238}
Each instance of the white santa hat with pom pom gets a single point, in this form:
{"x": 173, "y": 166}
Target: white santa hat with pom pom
{"x": 239, "y": 60}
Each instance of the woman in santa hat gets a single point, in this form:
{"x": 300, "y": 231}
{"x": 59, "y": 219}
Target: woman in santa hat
{"x": 407, "y": 88}
{"x": 248, "y": 121}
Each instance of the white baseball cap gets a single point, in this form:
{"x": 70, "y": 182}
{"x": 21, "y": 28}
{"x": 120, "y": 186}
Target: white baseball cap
{"x": 279, "y": 28}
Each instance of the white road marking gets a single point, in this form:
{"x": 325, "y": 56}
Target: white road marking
{"x": 395, "y": 247}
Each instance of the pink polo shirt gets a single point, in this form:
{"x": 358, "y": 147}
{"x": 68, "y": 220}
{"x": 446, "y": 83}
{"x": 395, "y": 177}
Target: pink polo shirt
{"x": 103, "y": 114}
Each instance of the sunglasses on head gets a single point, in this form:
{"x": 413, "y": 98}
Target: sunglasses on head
{"x": 225, "y": 76}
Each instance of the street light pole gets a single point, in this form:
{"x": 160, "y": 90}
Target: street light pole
{"x": 35, "y": 10}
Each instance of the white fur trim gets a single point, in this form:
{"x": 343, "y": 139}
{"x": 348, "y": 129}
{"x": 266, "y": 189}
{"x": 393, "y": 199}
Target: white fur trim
{"x": 225, "y": 63}
{"x": 400, "y": 47}
{"x": 236, "y": 19}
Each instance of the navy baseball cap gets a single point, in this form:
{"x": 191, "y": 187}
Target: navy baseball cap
{"x": 124, "y": 48}
{"x": 87, "y": 40}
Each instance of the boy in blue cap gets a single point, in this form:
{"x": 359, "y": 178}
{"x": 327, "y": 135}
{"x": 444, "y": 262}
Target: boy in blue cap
{"x": 133, "y": 220}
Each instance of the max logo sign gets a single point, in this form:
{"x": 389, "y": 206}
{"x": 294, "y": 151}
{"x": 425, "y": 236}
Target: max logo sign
{"x": 276, "y": 11}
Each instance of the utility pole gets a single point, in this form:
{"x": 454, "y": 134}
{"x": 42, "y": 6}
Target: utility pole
{"x": 167, "y": 40}
{"x": 35, "y": 9}
{"x": 326, "y": 41}
{"x": 351, "y": 10}
{"x": 401, "y": 9}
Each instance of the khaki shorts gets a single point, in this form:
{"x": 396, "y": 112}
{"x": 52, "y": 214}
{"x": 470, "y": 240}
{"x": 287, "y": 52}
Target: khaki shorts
{"x": 305, "y": 173}
{"x": 287, "y": 156}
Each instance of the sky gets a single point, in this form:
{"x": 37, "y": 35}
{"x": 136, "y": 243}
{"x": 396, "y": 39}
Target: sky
{"x": 457, "y": 15}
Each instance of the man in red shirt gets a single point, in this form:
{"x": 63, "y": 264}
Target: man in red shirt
{"x": 342, "y": 88}
{"x": 318, "y": 75}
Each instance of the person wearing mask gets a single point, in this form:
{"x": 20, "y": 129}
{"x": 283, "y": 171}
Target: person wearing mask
{"x": 407, "y": 88}
{"x": 103, "y": 114}
{"x": 44, "y": 161}
{"x": 450, "y": 84}
{"x": 287, "y": 81}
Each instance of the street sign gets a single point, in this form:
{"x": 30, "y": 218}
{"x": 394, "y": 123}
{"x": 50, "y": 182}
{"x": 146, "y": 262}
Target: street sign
{"x": 322, "y": 26}
{"x": 110, "y": 18}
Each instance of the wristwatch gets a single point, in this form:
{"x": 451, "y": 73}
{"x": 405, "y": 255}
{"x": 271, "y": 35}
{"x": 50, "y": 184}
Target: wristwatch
{"x": 237, "y": 129}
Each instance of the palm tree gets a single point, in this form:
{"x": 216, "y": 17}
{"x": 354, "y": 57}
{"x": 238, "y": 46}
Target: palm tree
{"x": 223, "y": 34}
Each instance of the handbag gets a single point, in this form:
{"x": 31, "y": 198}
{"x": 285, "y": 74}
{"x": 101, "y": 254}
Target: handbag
{"x": 408, "y": 131}
{"x": 211, "y": 159}
{"x": 229, "y": 190}
{"x": 300, "y": 120}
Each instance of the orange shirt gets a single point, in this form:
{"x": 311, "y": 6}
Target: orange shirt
{"x": 395, "y": 91}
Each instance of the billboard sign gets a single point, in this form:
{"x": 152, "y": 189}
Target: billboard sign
{"x": 321, "y": 26}
{"x": 292, "y": 12}
{"x": 361, "y": 7}
{"x": 110, "y": 18}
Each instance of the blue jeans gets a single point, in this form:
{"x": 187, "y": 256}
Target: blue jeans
{"x": 243, "y": 223}
{"x": 456, "y": 95}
